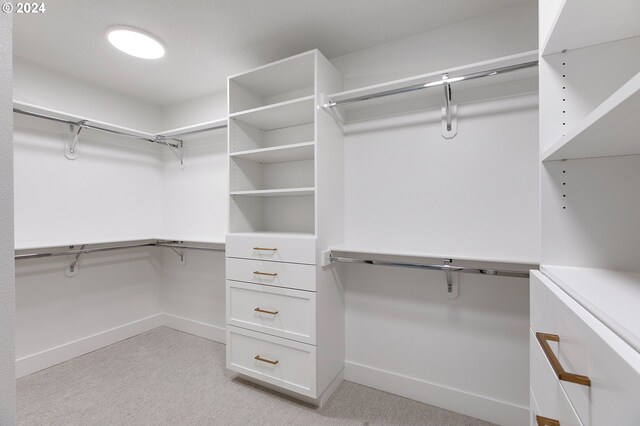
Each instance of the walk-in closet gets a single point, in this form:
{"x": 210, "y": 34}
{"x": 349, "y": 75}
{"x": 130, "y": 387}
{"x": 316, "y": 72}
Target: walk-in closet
{"x": 354, "y": 212}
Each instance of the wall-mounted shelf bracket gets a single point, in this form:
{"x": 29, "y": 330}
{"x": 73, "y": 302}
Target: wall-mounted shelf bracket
{"x": 181, "y": 254}
{"x": 449, "y": 112}
{"x": 177, "y": 149}
{"x": 72, "y": 268}
{"x": 452, "y": 281}
{"x": 70, "y": 145}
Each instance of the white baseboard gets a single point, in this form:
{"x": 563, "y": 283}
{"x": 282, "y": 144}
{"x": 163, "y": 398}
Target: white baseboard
{"x": 49, "y": 357}
{"x": 197, "y": 328}
{"x": 478, "y": 406}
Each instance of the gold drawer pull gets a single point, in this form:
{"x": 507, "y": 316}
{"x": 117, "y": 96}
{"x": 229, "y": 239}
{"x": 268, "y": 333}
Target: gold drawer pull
{"x": 268, "y": 274}
{"x": 555, "y": 363}
{"x": 268, "y": 361}
{"x": 266, "y": 312}
{"x": 545, "y": 421}
{"x": 265, "y": 249}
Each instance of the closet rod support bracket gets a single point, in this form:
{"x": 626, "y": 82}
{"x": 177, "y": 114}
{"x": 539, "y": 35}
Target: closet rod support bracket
{"x": 451, "y": 280}
{"x": 177, "y": 149}
{"x": 72, "y": 268}
{"x": 449, "y": 112}
{"x": 70, "y": 145}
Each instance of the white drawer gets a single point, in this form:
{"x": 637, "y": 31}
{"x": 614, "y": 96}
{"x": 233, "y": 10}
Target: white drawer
{"x": 285, "y": 363}
{"x": 551, "y": 400}
{"x": 278, "y": 311}
{"x": 587, "y": 347}
{"x": 292, "y": 275}
{"x": 294, "y": 249}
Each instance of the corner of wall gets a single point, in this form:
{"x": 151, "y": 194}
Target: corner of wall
{"x": 7, "y": 272}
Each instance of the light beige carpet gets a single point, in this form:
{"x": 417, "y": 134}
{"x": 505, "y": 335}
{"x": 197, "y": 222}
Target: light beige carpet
{"x": 166, "y": 377}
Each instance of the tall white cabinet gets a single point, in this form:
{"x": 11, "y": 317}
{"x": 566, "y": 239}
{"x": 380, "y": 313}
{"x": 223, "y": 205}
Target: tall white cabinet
{"x": 585, "y": 333}
{"x": 285, "y": 313}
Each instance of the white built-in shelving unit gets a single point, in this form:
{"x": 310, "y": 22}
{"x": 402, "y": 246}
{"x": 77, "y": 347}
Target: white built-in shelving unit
{"x": 590, "y": 171}
{"x": 285, "y": 313}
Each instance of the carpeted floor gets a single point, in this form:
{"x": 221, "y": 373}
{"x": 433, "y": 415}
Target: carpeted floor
{"x": 166, "y": 377}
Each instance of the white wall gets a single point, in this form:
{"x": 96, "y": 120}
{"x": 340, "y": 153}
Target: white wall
{"x": 112, "y": 192}
{"x": 476, "y": 195}
{"x": 115, "y": 295}
{"x": 196, "y": 208}
{"x": 199, "y": 110}
{"x": 507, "y": 32}
{"x": 7, "y": 279}
{"x": 55, "y": 90}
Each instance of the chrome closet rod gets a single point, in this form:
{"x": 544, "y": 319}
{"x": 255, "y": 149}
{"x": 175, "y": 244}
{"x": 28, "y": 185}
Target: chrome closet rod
{"x": 445, "y": 268}
{"x": 79, "y": 251}
{"x": 86, "y": 125}
{"x": 71, "y": 252}
{"x": 434, "y": 83}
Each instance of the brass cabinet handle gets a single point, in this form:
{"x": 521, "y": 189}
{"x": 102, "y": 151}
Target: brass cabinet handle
{"x": 555, "y": 363}
{"x": 265, "y": 249}
{"x": 268, "y": 361}
{"x": 268, "y": 274}
{"x": 266, "y": 312}
{"x": 545, "y": 421}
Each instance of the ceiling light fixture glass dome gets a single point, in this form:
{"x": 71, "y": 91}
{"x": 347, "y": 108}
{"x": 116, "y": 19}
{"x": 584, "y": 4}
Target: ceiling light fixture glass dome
{"x": 135, "y": 42}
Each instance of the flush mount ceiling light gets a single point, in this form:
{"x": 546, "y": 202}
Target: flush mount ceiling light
{"x": 135, "y": 42}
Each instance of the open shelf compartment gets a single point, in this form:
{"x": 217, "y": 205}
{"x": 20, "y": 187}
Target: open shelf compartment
{"x": 266, "y": 86}
{"x": 611, "y": 129}
{"x": 582, "y": 23}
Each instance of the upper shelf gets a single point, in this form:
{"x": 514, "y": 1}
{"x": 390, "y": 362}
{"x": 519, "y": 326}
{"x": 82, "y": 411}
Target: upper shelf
{"x": 27, "y": 107}
{"x": 73, "y": 118}
{"x": 611, "y": 296}
{"x": 415, "y": 255}
{"x": 520, "y": 81}
{"x": 189, "y": 131}
{"x": 582, "y": 23}
{"x": 609, "y": 130}
{"x": 290, "y": 113}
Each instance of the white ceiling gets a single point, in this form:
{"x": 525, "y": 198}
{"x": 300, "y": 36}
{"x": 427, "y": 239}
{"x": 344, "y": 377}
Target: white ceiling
{"x": 207, "y": 40}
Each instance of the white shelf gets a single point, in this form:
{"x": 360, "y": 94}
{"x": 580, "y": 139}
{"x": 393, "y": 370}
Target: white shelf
{"x": 463, "y": 91}
{"x": 378, "y": 252}
{"x": 92, "y": 243}
{"x": 582, "y": 23}
{"x": 278, "y": 154}
{"x": 195, "y": 239}
{"x": 276, "y": 116}
{"x": 194, "y": 127}
{"x": 611, "y": 129}
{"x": 287, "y": 192}
{"x": 611, "y": 296}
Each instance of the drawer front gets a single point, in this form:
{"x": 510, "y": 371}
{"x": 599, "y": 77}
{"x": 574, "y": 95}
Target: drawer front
{"x": 275, "y": 249}
{"x": 551, "y": 400}
{"x": 291, "y": 275}
{"x": 587, "y": 347}
{"x": 277, "y": 311}
{"x": 290, "y": 365}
